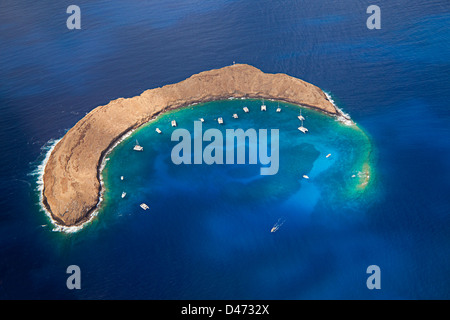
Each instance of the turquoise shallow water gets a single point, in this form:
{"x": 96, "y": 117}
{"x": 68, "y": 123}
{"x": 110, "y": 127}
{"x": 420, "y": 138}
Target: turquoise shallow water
{"x": 335, "y": 181}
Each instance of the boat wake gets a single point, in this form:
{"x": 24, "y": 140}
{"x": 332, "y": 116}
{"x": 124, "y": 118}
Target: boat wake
{"x": 277, "y": 225}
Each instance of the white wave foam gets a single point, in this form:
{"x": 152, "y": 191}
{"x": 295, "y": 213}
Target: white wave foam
{"x": 342, "y": 116}
{"x": 39, "y": 173}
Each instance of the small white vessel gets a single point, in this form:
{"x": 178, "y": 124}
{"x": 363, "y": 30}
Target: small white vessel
{"x": 278, "y": 109}
{"x": 144, "y": 206}
{"x": 202, "y": 120}
{"x": 300, "y": 117}
{"x": 235, "y": 116}
{"x": 220, "y": 120}
{"x": 302, "y": 128}
{"x": 137, "y": 147}
{"x": 328, "y": 155}
{"x": 277, "y": 225}
{"x": 174, "y": 123}
{"x": 263, "y": 106}
{"x": 157, "y": 130}
{"x": 305, "y": 176}
{"x": 245, "y": 109}
{"x": 121, "y": 177}
{"x": 124, "y": 194}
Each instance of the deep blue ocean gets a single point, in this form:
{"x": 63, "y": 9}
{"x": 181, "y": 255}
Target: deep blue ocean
{"x": 207, "y": 233}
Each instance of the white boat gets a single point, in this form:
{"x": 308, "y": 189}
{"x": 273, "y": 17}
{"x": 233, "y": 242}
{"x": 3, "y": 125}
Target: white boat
{"x": 302, "y": 128}
{"x": 305, "y": 176}
{"x": 137, "y": 147}
{"x": 157, "y": 130}
{"x": 220, "y": 120}
{"x": 328, "y": 155}
{"x": 174, "y": 123}
{"x": 144, "y": 206}
{"x": 245, "y": 109}
{"x": 300, "y": 117}
{"x": 235, "y": 116}
{"x": 278, "y": 109}
{"x": 121, "y": 177}
{"x": 277, "y": 225}
{"x": 124, "y": 194}
{"x": 263, "y": 106}
{"x": 202, "y": 120}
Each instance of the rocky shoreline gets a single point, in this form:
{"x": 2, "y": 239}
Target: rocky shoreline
{"x": 72, "y": 176}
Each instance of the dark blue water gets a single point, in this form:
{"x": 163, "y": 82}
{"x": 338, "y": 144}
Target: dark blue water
{"x": 393, "y": 82}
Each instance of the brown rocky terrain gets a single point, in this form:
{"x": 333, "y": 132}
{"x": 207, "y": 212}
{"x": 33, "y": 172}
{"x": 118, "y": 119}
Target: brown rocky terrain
{"x": 72, "y": 175}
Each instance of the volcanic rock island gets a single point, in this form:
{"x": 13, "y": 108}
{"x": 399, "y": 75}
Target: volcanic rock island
{"x": 72, "y": 183}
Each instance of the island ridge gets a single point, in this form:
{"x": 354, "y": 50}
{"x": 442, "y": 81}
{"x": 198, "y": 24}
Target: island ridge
{"x": 72, "y": 184}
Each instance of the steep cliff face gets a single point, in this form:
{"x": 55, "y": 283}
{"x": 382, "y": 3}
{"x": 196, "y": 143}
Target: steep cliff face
{"x": 71, "y": 178}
